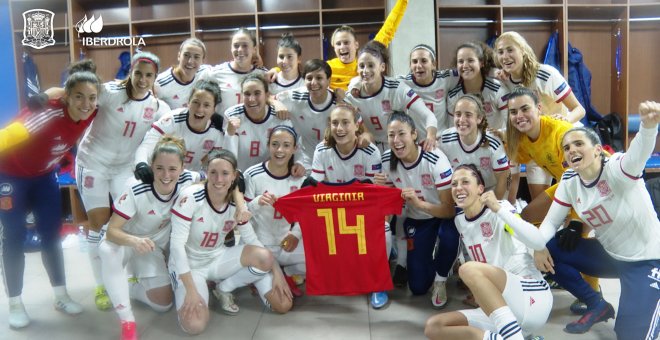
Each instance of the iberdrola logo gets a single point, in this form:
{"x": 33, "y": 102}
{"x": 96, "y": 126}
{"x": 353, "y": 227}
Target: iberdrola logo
{"x": 89, "y": 25}
{"x": 94, "y": 25}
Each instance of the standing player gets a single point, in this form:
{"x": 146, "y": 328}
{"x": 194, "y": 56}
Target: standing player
{"x": 344, "y": 41}
{"x": 610, "y": 196}
{"x": 196, "y": 124}
{"x": 256, "y": 119}
{"x": 474, "y": 62}
{"x": 229, "y": 74}
{"x": 288, "y": 61}
{"x": 309, "y": 107}
{"x": 105, "y": 155}
{"x": 174, "y": 84}
{"x": 138, "y": 234}
{"x": 264, "y": 184}
{"x": 29, "y": 184}
{"x": 424, "y": 178}
{"x": 469, "y": 142}
{"x": 430, "y": 84}
{"x": 512, "y": 295}
{"x": 379, "y": 96}
{"x": 340, "y": 159}
{"x": 202, "y": 216}
{"x": 520, "y": 68}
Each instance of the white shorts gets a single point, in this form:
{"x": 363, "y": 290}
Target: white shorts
{"x": 149, "y": 265}
{"x": 297, "y": 256}
{"x": 537, "y": 175}
{"x": 223, "y": 265}
{"x": 94, "y": 186}
{"x": 530, "y": 301}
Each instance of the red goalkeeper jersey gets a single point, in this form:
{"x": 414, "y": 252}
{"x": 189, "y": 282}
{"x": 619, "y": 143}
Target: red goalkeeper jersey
{"x": 343, "y": 235}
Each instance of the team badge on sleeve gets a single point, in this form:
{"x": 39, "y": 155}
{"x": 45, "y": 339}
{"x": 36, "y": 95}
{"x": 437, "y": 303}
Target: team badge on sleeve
{"x": 410, "y": 93}
{"x": 486, "y": 229}
{"x": 560, "y": 88}
{"x": 445, "y": 174}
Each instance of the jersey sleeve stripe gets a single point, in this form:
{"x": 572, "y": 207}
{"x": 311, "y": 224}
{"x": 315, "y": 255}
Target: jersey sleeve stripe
{"x": 442, "y": 184}
{"x": 564, "y": 96}
{"x": 124, "y": 216}
{"x": 625, "y": 173}
{"x": 561, "y": 203}
{"x": 318, "y": 171}
{"x": 412, "y": 101}
{"x": 155, "y": 127}
{"x": 181, "y": 215}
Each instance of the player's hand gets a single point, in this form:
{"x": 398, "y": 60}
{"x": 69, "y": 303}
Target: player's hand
{"x": 380, "y": 178}
{"x": 543, "y": 261}
{"x": 280, "y": 286}
{"x": 430, "y": 142}
{"x": 289, "y": 243}
{"x": 242, "y": 215}
{"x": 569, "y": 236}
{"x": 271, "y": 75}
{"x": 363, "y": 140}
{"x": 143, "y": 245}
{"x": 37, "y": 102}
{"x": 217, "y": 121}
{"x": 280, "y": 110}
{"x": 410, "y": 195}
{"x": 298, "y": 170}
{"x": 267, "y": 199}
{"x": 193, "y": 305}
{"x": 257, "y": 61}
{"x": 559, "y": 116}
{"x": 233, "y": 125}
{"x": 502, "y": 75}
{"x": 144, "y": 173}
{"x": 488, "y": 198}
{"x": 649, "y": 114}
{"x": 340, "y": 94}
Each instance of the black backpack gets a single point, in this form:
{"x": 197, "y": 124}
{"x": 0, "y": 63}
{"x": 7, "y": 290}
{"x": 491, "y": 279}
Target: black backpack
{"x": 610, "y": 132}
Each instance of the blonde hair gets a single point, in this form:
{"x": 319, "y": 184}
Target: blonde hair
{"x": 530, "y": 64}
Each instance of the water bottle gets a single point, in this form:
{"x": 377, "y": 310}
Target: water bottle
{"x": 82, "y": 239}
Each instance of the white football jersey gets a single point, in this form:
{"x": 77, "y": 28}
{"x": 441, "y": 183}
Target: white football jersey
{"x": 489, "y": 239}
{"x": 551, "y": 88}
{"x": 198, "y": 144}
{"x": 174, "y": 92}
{"x": 331, "y": 166}
{"x": 488, "y": 160}
{"x": 230, "y": 83}
{"x": 281, "y": 85}
{"x": 494, "y": 99}
{"x": 619, "y": 209}
{"x": 393, "y": 95}
{"x": 430, "y": 173}
{"x": 147, "y": 213}
{"x": 199, "y": 231}
{"x": 308, "y": 120}
{"x": 269, "y": 225}
{"x": 253, "y": 136}
{"x": 434, "y": 95}
{"x": 118, "y": 129}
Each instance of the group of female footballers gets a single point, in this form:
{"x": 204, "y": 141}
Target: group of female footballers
{"x": 170, "y": 163}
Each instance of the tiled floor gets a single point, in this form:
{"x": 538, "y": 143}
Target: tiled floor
{"x": 312, "y": 317}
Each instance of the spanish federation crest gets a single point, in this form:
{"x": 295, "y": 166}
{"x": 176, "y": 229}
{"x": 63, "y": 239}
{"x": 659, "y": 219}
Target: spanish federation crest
{"x": 38, "y": 28}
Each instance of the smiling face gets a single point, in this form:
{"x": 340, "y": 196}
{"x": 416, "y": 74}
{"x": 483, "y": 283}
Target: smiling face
{"x": 509, "y": 55}
{"x": 281, "y": 146}
{"x": 370, "y": 69}
{"x": 143, "y": 76}
{"x": 242, "y": 49}
{"x": 189, "y": 59}
{"x": 343, "y": 127}
{"x": 287, "y": 59}
{"x": 81, "y": 101}
{"x": 422, "y": 66}
{"x": 201, "y": 106}
{"x": 221, "y": 175}
{"x": 345, "y": 46}
{"x": 524, "y": 114}
{"x": 466, "y": 118}
{"x": 167, "y": 167}
{"x": 465, "y": 189}
{"x": 401, "y": 138}
{"x": 254, "y": 98}
{"x": 580, "y": 152}
{"x": 317, "y": 83}
{"x": 468, "y": 64}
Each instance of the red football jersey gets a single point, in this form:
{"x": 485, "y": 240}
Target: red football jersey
{"x": 51, "y": 134}
{"x": 343, "y": 235}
